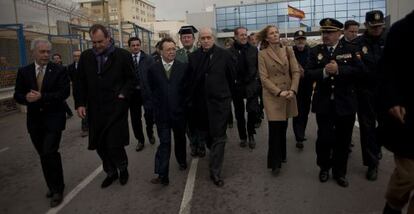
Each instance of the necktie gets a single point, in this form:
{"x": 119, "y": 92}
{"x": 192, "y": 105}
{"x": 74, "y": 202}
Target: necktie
{"x": 167, "y": 68}
{"x": 331, "y": 50}
{"x": 39, "y": 78}
{"x": 136, "y": 61}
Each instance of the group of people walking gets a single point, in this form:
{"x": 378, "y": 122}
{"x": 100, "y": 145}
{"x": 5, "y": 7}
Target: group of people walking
{"x": 188, "y": 93}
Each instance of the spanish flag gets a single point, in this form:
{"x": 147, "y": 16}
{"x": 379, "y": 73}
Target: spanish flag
{"x": 294, "y": 12}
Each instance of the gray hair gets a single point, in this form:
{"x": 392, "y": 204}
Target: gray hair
{"x": 36, "y": 41}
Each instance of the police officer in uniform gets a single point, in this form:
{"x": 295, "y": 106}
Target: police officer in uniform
{"x": 371, "y": 45}
{"x": 187, "y": 39}
{"x": 304, "y": 95}
{"x": 334, "y": 66}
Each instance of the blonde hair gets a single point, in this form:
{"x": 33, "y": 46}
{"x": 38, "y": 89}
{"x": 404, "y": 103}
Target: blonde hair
{"x": 262, "y": 35}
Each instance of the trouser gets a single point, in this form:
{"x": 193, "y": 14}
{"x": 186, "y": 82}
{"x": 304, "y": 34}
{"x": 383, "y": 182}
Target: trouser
{"x": 239, "y": 109}
{"x": 84, "y": 123}
{"x": 367, "y": 118}
{"x": 333, "y": 140}
{"x": 277, "y": 144}
{"x": 401, "y": 184}
{"x": 113, "y": 159}
{"x": 162, "y": 156}
{"x": 135, "y": 110}
{"x": 67, "y": 109}
{"x": 304, "y": 100}
{"x": 47, "y": 146}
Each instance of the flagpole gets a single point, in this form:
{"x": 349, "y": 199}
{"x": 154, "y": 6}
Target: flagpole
{"x": 286, "y": 18}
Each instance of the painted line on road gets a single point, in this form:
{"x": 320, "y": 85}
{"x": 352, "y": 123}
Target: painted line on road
{"x": 357, "y": 124}
{"x": 75, "y": 191}
{"x": 185, "y": 207}
{"x": 4, "y": 149}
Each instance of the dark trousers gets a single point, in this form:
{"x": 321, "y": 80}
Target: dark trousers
{"x": 67, "y": 109}
{"x": 84, "y": 123}
{"x": 230, "y": 121}
{"x": 334, "y": 138}
{"x": 303, "y": 101}
{"x": 277, "y": 144}
{"x": 162, "y": 157}
{"x": 47, "y": 146}
{"x": 367, "y": 117}
{"x": 240, "y": 108}
{"x": 135, "y": 110}
{"x": 113, "y": 159}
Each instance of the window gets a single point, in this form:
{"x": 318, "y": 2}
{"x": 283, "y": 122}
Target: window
{"x": 340, "y": 14}
{"x": 272, "y": 6}
{"x": 251, "y": 8}
{"x": 340, "y": 7}
{"x": 231, "y": 16}
{"x": 353, "y": 14}
{"x": 364, "y": 5}
{"x": 251, "y": 15}
{"x": 221, "y": 17}
{"x": 251, "y": 21}
{"x": 251, "y": 27}
{"x": 353, "y": 6}
{"x": 220, "y": 11}
{"x": 328, "y": 8}
{"x": 261, "y": 7}
{"x": 272, "y": 19}
{"x": 271, "y": 12}
{"x": 378, "y": 4}
{"x": 261, "y": 13}
{"x": 305, "y": 3}
{"x": 262, "y": 20}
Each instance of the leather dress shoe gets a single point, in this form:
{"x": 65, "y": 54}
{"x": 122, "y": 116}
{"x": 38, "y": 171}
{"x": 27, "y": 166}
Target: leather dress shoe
{"x": 140, "y": 147}
{"x": 217, "y": 180}
{"x": 243, "y": 143}
{"x": 123, "y": 177}
{"x": 109, "y": 180}
{"x": 161, "y": 180}
{"x": 299, "y": 144}
{"x": 372, "y": 173}
{"x": 323, "y": 176}
{"x": 252, "y": 142}
{"x": 183, "y": 166}
{"x": 342, "y": 181}
{"x": 57, "y": 198}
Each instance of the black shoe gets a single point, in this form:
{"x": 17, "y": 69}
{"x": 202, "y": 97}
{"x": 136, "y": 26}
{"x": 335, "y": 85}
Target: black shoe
{"x": 140, "y": 147}
{"x": 49, "y": 194}
{"x": 161, "y": 180}
{"x": 243, "y": 143}
{"x": 342, "y": 181}
{"x": 372, "y": 173}
{"x": 390, "y": 210}
{"x": 252, "y": 142}
{"x": 201, "y": 151}
{"x": 299, "y": 144}
{"x": 123, "y": 177}
{"x": 323, "y": 176}
{"x": 109, "y": 180}
{"x": 57, "y": 198}
{"x": 183, "y": 166}
{"x": 152, "y": 140}
{"x": 217, "y": 180}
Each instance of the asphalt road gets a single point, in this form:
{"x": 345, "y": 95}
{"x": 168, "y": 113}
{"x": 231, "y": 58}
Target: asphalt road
{"x": 249, "y": 185}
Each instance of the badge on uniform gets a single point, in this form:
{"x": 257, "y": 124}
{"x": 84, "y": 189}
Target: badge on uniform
{"x": 365, "y": 49}
{"x": 344, "y": 56}
{"x": 320, "y": 56}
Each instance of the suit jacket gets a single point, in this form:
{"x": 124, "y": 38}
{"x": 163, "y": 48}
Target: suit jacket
{"x": 218, "y": 79}
{"x": 145, "y": 62}
{"x": 279, "y": 72}
{"x": 107, "y": 114}
{"x": 168, "y": 95}
{"x": 339, "y": 88}
{"x": 48, "y": 112}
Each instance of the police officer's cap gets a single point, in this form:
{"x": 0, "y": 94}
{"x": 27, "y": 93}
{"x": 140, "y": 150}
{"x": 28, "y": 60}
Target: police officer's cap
{"x": 299, "y": 34}
{"x": 374, "y": 18}
{"x": 188, "y": 29}
{"x": 330, "y": 25}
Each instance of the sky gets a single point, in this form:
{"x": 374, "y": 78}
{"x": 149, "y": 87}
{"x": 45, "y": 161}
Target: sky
{"x": 176, "y": 9}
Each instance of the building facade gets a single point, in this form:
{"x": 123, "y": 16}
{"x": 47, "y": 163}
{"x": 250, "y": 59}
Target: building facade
{"x": 257, "y": 16}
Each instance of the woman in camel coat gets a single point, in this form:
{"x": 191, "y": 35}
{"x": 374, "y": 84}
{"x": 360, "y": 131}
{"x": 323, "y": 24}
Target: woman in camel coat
{"x": 279, "y": 73}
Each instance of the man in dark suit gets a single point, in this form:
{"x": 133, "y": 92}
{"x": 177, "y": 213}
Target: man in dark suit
{"x": 43, "y": 87}
{"x": 140, "y": 97}
{"x": 105, "y": 82}
{"x": 334, "y": 66}
{"x": 72, "y": 71}
{"x": 246, "y": 88}
{"x": 167, "y": 86}
{"x": 212, "y": 71}
{"x": 57, "y": 59}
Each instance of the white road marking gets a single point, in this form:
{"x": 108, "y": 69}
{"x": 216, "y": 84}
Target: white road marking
{"x": 75, "y": 191}
{"x": 4, "y": 149}
{"x": 357, "y": 124}
{"x": 185, "y": 207}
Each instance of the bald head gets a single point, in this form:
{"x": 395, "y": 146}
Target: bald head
{"x": 206, "y": 38}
